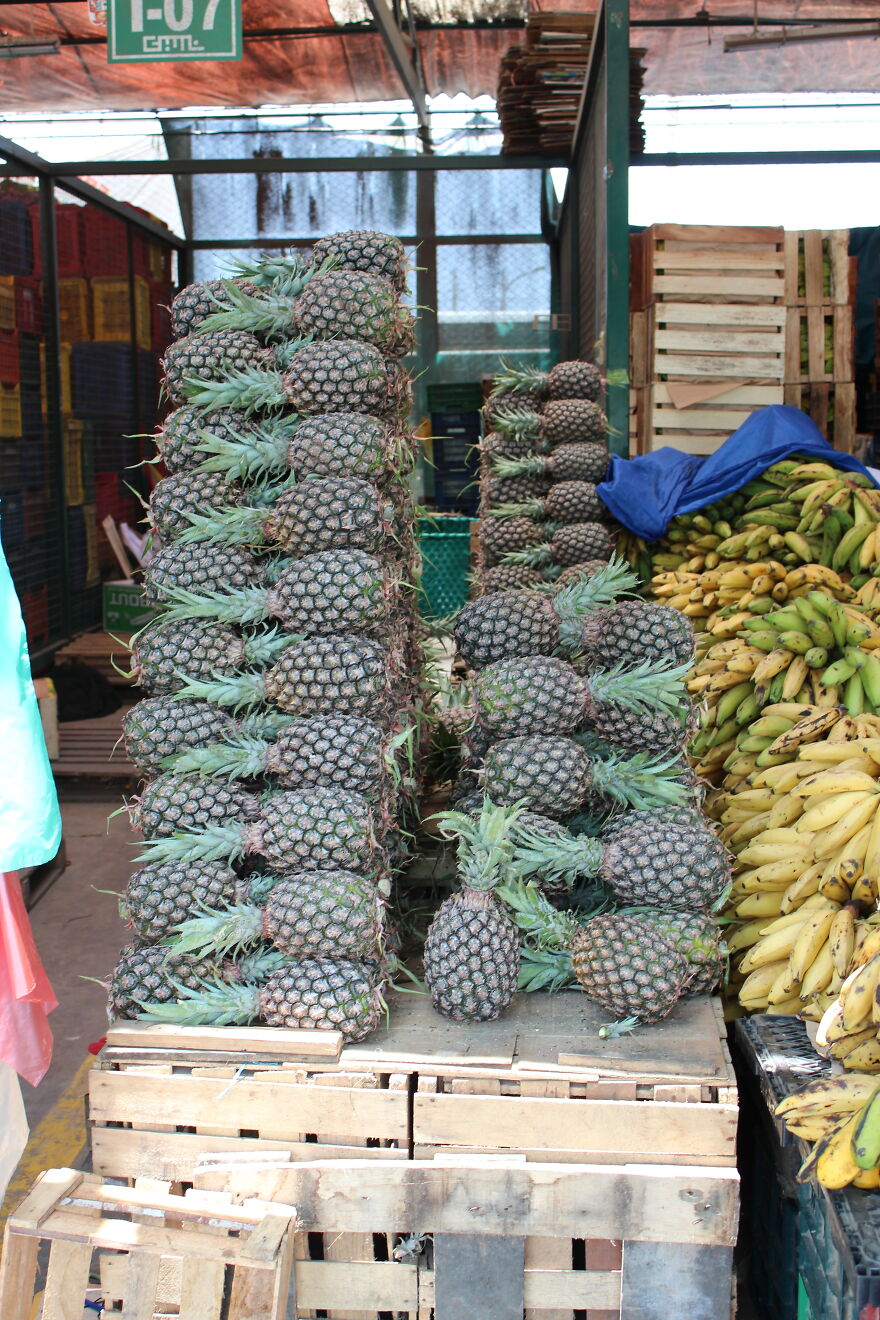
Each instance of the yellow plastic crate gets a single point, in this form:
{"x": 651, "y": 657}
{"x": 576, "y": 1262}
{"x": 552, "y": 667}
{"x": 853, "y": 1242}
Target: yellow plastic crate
{"x": 74, "y": 308}
{"x": 10, "y": 410}
{"x": 111, "y": 305}
{"x": 65, "y": 377}
{"x": 7, "y": 302}
{"x": 93, "y": 564}
{"x": 73, "y": 465}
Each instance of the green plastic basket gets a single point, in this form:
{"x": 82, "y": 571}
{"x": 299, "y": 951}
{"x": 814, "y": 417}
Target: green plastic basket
{"x": 446, "y": 558}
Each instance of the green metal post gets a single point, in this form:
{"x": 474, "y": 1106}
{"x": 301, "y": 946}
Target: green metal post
{"x": 617, "y": 112}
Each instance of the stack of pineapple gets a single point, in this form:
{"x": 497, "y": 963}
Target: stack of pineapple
{"x": 276, "y": 736}
{"x": 542, "y": 455}
{"x": 573, "y": 747}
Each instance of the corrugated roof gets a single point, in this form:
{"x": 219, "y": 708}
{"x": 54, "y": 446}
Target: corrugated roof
{"x": 303, "y": 53}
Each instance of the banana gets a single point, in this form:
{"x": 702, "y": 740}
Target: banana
{"x": 835, "y": 1095}
{"x": 854, "y": 820}
{"x": 761, "y": 854}
{"x": 836, "y": 1166}
{"x": 867, "y": 945}
{"x": 802, "y": 890}
{"x": 755, "y": 988}
{"x": 836, "y": 781}
{"x": 865, "y": 1057}
{"x": 771, "y": 948}
{"x": 857, "y": 995}
{"x": 785, "y": 812}
{"x": 841, "y": 939}
{"x": 867, "y": 1180}
{"x": 806, "y": 730}
{"x": 810, "y": 939}
{"x": 818, "y": 975}
{"x": 766, "y": 904}
{"x": 823, "y": 815}
{"x": 844, "y": 1045}
{"x": 745, "y": 936}
{"x": 795, "y": 675}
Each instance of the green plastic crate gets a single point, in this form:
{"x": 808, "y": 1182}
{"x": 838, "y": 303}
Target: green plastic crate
{"x": 446, "y": 560}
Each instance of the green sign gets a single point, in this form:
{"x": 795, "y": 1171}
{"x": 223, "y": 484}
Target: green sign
{"x": 143, "y": 31}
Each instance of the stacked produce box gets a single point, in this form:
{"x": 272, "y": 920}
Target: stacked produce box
{"x": 282, "y": 673}
{"x": 573, "y": 732}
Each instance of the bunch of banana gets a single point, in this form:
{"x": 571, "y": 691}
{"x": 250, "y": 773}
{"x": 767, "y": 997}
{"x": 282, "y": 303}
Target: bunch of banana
{"x": 841, "y": 1115}
{"x": 848, "y": 1028}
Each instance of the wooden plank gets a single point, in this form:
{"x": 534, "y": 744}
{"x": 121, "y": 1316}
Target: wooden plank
{"x": 489, "y": 1268}
{"x": 754, "y": 315}
{"x": 377, "y": 1286}
{"x": 704, "y": 340}
{"x": 544, "y": 1290}
{"x": 758, "y": 260}
{"x": 43, "y": 1197}
{"x": 142, "y": 1285}
{"x": 755, "y": 396}
{"x": 17, "y": 1275}
{"x": 715, "y": 234}
{"x": 202, "y": 1289}
{"x": 714, "y": 286}
{"x": 552, "y": 1256}
{"x": 791, "y": 266}
{"x": 263, "y": 1042}
{"x": 845, "y": 418}
{"x": 703, "y": 1132}
{"x": 67, "y": 1279}
{"x": 841, "y": 266}
{"x": 681, "y": 1279}
{"x": 700, "y": 419}
{"x": 275, "y": 1109}
{"x": 508, "y": 1198}
{"x": 720, "y": 365}
{"x": 124, "y": 1153}
{"x": 813, "y": 262}
{"x": 120, "y": 1235}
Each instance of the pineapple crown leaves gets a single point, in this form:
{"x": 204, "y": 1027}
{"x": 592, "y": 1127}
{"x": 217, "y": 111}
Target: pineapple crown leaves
{"x": 240, "y": 757}
{"x": 611, "y": 1030}
{"x": 269, "y": 315}
{"x": 237, "y": 691}
{"x": 245, "y": 605}
{"x": 213, "y": 932}
{"x": 511, "y": 379}
{"x": 282, "y": 274}
{"x": 517, "y": 467}
{"x": 208, "y": 1004}
{"x": 647, "y": 687}
{"x": 582, "y": 597}
{"x": 401, "y": 745}
{"x": 485, "y": 842}
{"x": 545, "y": 953}
{"x": 521, "y": 423}
{"x": 246, "y": 389}
{"x": 640, "y": 781}
{"x": 227, "y": 524}
{"x": 558, "y": 859}
{"x": 246, "y": 458}
{"x": 524, "y": 509}
{"x": 214, "y": 843}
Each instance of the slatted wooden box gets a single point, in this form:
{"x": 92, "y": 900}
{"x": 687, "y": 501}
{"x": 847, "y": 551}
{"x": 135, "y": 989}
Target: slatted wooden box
{"x": 818, "y": 268}
{"x": 708, "y": 264}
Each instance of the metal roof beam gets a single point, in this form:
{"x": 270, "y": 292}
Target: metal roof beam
{"x": 404, "y": 56}
{"x": 70, "y": 169}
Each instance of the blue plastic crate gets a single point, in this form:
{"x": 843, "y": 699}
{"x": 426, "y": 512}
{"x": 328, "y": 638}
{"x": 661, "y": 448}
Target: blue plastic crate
{"x": 12, "y": 521}
{"x": 16, "y": 246}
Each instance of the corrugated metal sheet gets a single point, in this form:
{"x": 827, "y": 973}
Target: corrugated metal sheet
{"x": 326, "y": 63}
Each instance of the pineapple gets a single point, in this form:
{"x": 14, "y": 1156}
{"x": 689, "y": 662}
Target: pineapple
{"x": 307, "y": 914}
{"x": 159, "y": 898}
{"x": 472, "y": 948}
{"x": 196, "y": 302}
{"x": 167, "y": 652}
{"x": 579, "y": 619}
{"x": 661, "y": 732}
{"x": 575, "y": 572}
{"x": 499, "y": 537}
{"x": 507, "y": 577}
{"x": 318, "y": 994}
{"x": 496, "y": 490}
{"x": 574, "y": 462}
{"x": 152, "y": 974}
{"x": 696, "y": 937}
{"x": 327, "y": 751}
{"x": 328, "y": 592}
{"x": 574, "y": 379}
{"x": 541, "y": 694}
{"x": 562, "y": 422}
{"x": 184, "y": 433}
{"x": 650, "y": 861}
{"x": 342, "y": 444}
{"x": 158, "y": 729}
{"x": 555, "y": 776}
{"x": 339, "y": 375}
{"x": 175, "y": 498}
{"x": 367, "y": 250}
{"x": 332, "y": 304}
{"x": 211, "y": 357}
{"x": 497, "y": 446}
{"x": 192, "y": 567}
{"x": 310, "y": 829}
{"x": 565, "y": 502}
{"x": 186, "y": 802}
{"x": 500, "y": 402}
{"x": 323, "y": 513}
{"x": 341, "y": 674}
{"x": 624, "y": 964}
{"x": 570, "y": 544}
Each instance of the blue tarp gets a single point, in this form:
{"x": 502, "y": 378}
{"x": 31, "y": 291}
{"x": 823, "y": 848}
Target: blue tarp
{"x": 645, "y": 493}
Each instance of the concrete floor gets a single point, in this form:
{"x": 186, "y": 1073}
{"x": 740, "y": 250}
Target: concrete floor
{"x": 78, "y": 931}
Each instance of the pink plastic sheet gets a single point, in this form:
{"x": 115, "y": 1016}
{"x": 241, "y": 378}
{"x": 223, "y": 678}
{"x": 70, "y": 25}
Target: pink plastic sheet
{"x": 26, "y": 996}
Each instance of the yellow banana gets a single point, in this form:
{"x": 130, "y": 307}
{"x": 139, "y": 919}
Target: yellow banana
{"x": 857, "y": 996}
{"x": 818, "y": 975}
{"x": 755, "y": 988}
{"x": 837, "y": 1095}
{"x": 785, "y": 812}
{"x": 805, "y": 887}
{"x": 795, "y": 677}
{"x": 865, "y": 1057}
{"x": 760, "y": 854}
{"x": 841, "y": 939}
{"x": 805, "y": 731}
{"x": 867, "y": 945}
{"x": 855, "y": 819}
{"x": 810, "y": 939}
{"x": 872, "y": 848}
{"x": 823, "y": 815}
{"x": 771, "y": 948}
{"x": 868, "y": 1180}
{"x": 836, "y": 781}
{"x": 765, "y": 904}
{"x": 844, "y": 1045}
{"x": 866, "y": 1138}
{"x": 836, "y": 1166}
{"x": 865, "y": 890}
{"x": 745, "y": 936}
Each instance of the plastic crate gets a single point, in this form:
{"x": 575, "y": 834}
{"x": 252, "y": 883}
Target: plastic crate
{"x": 64, "y": 378}
{"x": 455, "y": 398}
{"x": 35, "y": 612}
{"x": 454, "y": 452}
{"x": 28, "y": 306}
{"x": 34, "y": 460}
{"x": 74, "y": 307}
{"x": 12, "y": 521}
{"x": 16, "y": 251}
{"x": 111, "y": 310}
{"x": 68, "y": 238}
{"x": 105, "y": 243}
{"x": 457, "y": 491}
{"x": 158, "y": 260}
{"x": 30, "y": 362}
{"x": 7, "y": 302}
{"x": 10, "y": 410}
{"x": 10, "y": 466}
{"x": 161, "y": 295}
{"x": 823, "y": 1246}
{"x": 36, "y": 515}
{"x": 93, "y": 562}
{"x": 73, "y": 464}
{"x": 445, "y": 547}
{"x": 10, "y": 363}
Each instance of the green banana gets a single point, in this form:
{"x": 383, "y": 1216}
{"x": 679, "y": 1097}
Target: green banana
{"x": 788, "y": 619}
{"x": 816, "y": 657}
{"x": 747, "y": 709}
{"x": 792, "y": 640}
{"x": 839, "y": 624}
{"x": 854, "y": 695}
{"x": 870, "y": 679}
{"x": 849, "y": 542}
{"x": 730, "y": 701}
{"x": 840, "y": 672}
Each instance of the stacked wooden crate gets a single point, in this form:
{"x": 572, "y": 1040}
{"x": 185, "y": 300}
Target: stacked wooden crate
{"x": 820, "y": 331}
{"x": 726, "y": 320}
{"x": 602, "y": 1171}
{"x": 708, "y": 332}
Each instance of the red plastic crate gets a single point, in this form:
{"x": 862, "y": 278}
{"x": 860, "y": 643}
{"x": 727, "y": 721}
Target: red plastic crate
{"x": 112, "y": 498}
{"x": 35, "y": 612}
{"x": 10, "y": 362}
{"x": 36, "y": 518}
{"x": 161, "y": 295}
{"x": 28, "y": 305}
{"x": 68, "y": 231}
{"x": 105, "y": 245}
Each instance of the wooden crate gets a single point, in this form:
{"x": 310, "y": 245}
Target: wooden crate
{"x": 708, "y": 264}
{"x": 820, "y": 344}
{"x": 818, "y": 268}
{"x": 462, "y": 1224}
{"x": 831, "y": 406}
{"x": 675, "y": 415}
{"x": 209, "y": 1257}
{"x": 697, "y": 342}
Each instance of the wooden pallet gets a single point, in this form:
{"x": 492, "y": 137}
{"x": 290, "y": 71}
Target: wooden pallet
{"x": 820, "y": 344}
{"x": 663, "y": 414}
{"x": 818, "y": 268}
{"x": 93, "y": 748}
{"x": 707, "y": 264}
{"x": 211, "y": 1258}
{"x": 99, "y": 650}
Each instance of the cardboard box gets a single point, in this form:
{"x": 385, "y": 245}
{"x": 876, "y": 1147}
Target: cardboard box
{"x": 125, "y": 609}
